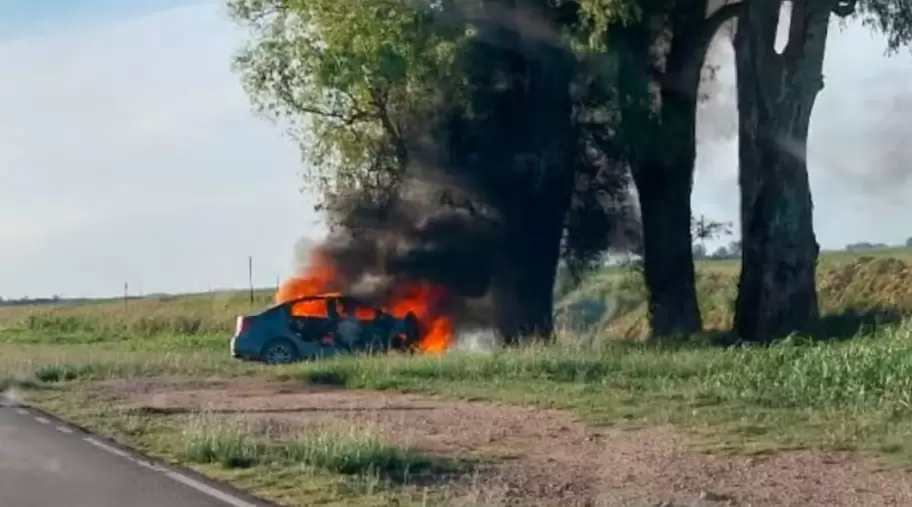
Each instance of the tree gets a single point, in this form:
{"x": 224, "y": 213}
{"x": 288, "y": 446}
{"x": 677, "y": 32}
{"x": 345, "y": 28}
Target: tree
{"x": 703, "y": 229}
{"x": 349, "y": 78}
{"x": 517, "y": 143}
{"x": 776, "y": 93}
{"x": 660, "y": 49}
{"x": 865, "y": 245}
{"x": 721, "y": 253}
{"x": 473, "y": 94}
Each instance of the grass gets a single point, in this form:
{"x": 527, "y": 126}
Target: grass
{"x": 854, "y": 394}
{"x": 322, "y": 465}
{"x": 856, "y": 292}
{"x": 203, "y": 319}
{"x": 803, "y": 392}
{"x": 348, "y": 451}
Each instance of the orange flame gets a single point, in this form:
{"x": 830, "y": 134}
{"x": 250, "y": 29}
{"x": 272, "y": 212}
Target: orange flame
{"x": 317, "y": 280}
{"x": 423, "y": 299}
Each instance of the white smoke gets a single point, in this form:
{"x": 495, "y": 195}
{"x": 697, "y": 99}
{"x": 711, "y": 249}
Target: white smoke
{"x": 11, "y": 397}
{"x": 477, "y": 340}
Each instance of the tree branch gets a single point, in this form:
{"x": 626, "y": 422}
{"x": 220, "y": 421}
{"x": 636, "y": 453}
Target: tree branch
{"x": 684, "y": 71}
{"x": 712, "y": 24}
{"x": 380, "y": 101}
{"x": 357, "y": 116}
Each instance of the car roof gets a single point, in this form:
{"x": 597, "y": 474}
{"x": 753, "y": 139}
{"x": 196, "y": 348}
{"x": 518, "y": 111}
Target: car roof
{"x": 328, "y": 296}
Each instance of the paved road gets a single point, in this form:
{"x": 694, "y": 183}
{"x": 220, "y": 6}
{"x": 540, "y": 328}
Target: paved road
{"x": 45, "y": 463}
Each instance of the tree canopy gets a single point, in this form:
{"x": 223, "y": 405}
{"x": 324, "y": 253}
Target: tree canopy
{"x": 360, "y": 84}
{"x": 536, "y": 115}
{"x": 349, "y": 79}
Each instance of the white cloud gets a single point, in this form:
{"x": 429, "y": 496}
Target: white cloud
{"x": 128, "y": 153}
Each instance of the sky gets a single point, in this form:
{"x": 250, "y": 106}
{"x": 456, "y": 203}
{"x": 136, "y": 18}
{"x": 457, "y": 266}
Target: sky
{"x": 129, "y": 152}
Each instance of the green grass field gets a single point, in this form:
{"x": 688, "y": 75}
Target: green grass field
{"x": 850, "y": 392}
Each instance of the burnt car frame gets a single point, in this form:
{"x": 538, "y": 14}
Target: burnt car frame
{"x": 345, "y": 325}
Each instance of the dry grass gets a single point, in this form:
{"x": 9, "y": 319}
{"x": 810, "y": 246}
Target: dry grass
{"x": 104, "y": 320}
{"x": 856, "y": 292}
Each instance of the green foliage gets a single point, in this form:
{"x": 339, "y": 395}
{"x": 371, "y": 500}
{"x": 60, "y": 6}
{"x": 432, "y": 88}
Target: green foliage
{"x": 349, "y": 76}
{"x": 598, "y": 16}
{"x": 357, "y": 451}
{"x": 364, "y": 84}
{"x": 868, "y": 373}
{"x": 891, "y": 17}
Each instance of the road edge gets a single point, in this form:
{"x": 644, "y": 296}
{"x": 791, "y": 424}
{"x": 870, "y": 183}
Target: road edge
{"x": 215, "y": 488}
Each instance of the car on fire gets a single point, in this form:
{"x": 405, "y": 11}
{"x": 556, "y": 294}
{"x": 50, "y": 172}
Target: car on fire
{"x": 329, "y": 325}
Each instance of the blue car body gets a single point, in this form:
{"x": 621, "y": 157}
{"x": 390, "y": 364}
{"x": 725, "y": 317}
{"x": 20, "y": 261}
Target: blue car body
{"x": 277, "y": 336}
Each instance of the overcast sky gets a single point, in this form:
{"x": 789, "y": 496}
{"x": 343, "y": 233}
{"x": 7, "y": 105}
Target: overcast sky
{"x": 128, "y": 151}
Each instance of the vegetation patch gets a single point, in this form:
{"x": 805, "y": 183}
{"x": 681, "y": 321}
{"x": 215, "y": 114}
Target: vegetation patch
{"x": 847, "y": 394}
{"x": 856, "y": 294}
{"x": 232, "y": 443}
{"x": 845, "y": 387}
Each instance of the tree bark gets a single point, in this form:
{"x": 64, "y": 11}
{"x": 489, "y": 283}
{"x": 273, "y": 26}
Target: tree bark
{"x": 524, "y": 286}
{"x": 776, "y": 92}
{"x": 668, "y": 267}
{"x": 664, "y": 177}
{"x": 516, "y": 147}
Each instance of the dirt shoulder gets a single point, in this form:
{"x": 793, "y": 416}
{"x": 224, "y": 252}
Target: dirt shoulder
{"x": 542, "y": 457}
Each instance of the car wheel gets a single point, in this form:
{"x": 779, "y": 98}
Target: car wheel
{"x": 279, "y": 351}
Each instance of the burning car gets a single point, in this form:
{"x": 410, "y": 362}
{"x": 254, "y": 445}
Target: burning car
{"x": 321, "y": 326}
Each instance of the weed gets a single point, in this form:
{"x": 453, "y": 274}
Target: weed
{"x": 356, "y": 451}
{"x": 226, "y": 444}
{"x": 352, "y": 451}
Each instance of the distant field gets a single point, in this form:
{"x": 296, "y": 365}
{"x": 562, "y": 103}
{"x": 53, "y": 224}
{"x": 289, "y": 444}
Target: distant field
{"x": 155, "y": 374}
{"x": 613, "y": 301}
{"x": 855, "y": 289}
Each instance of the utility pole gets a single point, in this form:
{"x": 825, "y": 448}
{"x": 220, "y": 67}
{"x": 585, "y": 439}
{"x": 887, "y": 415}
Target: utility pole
{"x": 250, "y": 276}
{"x": 126, "y": 294}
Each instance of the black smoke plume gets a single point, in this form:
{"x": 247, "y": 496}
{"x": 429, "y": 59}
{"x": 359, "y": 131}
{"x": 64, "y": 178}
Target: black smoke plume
{"x": 469, "y": 190}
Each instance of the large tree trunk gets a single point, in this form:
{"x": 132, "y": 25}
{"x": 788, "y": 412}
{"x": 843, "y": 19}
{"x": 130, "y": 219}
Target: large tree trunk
{"x": 515, "y": 147}
{"x": 524, "y": 288}
{"x": 664, "y": 177}
{"x": 668, "y": 269}
{"x": 776, "y": 92}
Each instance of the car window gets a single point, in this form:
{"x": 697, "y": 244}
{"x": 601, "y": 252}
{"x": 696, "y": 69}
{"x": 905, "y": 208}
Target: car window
{"x": 361, "y": 312}
{"x": 309, "y": 308}
{"x": 365, "y": 312}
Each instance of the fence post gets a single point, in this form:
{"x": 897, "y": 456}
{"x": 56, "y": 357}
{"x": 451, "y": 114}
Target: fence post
{"x": 250, "y": 276}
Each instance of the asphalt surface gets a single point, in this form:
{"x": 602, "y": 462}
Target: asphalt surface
{"x": 44, "y": 462}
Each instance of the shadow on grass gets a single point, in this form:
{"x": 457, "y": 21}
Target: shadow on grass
{"x": 854, "y": 321}
{"x": 347, "y": 454}
{"x": 50, "y": 373}
{"x": 326, "y": 378}
{"x": 844, "y": 325}
{"x": 423, "y": 470}
{"x": 165, "y": 411}
{"x": 17, "y": 383}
